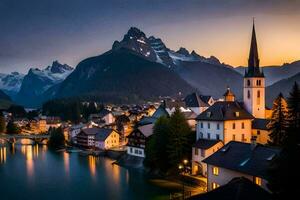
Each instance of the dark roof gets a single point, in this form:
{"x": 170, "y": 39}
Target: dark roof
{"x": 239, "y": 188}
{"x": 90, "y": 131}
{"x": 205, "y": 98}
{"x": 205, "y": 143}
{"x": 194, "y": 100}
{"x": 173, "y": 104}
{"x": 260, "y": 124}
{"x": 244, "y": 158}
{"x": 103, "y": 133}
{"x": 225, "y": 110}
{"x": 103, "y": 112}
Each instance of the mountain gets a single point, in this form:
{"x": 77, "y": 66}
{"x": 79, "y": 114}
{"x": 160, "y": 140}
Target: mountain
{"x": 37, "y": 81}
{"x": 277, "y": 73}
{"x": 122, "y": 75}
{"x": 11, "y": 83}
{"x": 284, "y": 86}
{"x": 195, "y": 69}
{"x": 5, "y": 100}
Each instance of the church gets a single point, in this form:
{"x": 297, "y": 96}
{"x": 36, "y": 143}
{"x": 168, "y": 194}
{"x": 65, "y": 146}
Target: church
{"x": 231, "y": 120}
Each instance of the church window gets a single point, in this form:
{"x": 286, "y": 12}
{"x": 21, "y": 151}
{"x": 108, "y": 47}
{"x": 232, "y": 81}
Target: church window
{"x": 248, "y": 82}
{"x": 248, "y": 95}
{"x": 258, "y": 97}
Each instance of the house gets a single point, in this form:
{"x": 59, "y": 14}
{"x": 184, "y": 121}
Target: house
{"x": 104, "y": 116}
{"x": 137, "y": 140}
{"x": 170, "y": 106}
{"x": 236, "y": 159}
{"x": 160, "y": 111}
{"x": 260, "y": 130}
{"x": 190, "y": 117}
{"x": 106, "y": 139}
{"x": 239, "y": 188}
{"x": 195, "y": 103}
{"x": 202, "y": 149}
{"x": 52, "y": 121}
{"x": 97, "y": 138}
{"x": 225, "y": 120}
{"x": 38, "y": 125}
{"x": 74, "y": 130}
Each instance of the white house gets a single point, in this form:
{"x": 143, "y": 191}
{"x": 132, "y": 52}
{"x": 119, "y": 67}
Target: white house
{"x": 238, "y": 159}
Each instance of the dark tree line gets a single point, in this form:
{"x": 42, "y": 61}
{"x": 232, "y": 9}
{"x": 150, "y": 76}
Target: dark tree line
{"x": 285, "y": 133}
{"x": 70, "y": 110}
{"x": 170, "y": 143}
{"x": 57, "y": 138}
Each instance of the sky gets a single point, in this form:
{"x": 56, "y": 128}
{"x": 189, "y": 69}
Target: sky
{"x": 34, "y": 33}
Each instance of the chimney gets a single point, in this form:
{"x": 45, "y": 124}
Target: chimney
{"x": 253, "y": 142}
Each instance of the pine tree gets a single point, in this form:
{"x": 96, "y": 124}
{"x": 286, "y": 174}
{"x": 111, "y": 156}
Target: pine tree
{"x": 57, "y": 138}
{"x": 2, "y": 123}
{"x": 285, "y": 168}
{"x": 12, "y": 128}
{"x": 178, "y": 147}
{"x": 279, "y": 122}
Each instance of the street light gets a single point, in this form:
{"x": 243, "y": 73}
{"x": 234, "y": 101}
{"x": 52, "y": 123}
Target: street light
{"x": 183, "y": 169}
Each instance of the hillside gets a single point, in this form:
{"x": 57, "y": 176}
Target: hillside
{"x": 5, "y": 100}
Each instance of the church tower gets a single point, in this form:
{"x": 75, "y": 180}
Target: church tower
{"x": 254, "y": 82}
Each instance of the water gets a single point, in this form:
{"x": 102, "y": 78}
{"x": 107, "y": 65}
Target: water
{"x": 33, "y": 172}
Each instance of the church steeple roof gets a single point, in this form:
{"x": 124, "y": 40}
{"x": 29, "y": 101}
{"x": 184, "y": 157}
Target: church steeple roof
{"x": 253, "y": 61}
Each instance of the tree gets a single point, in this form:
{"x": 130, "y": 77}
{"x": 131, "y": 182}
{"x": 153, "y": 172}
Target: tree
{"x": 2, "y": 123}
{"x": 285, "y": 167}
{"x": 17, "y": 111}
{"x": 12, "y": 128}
{"x": 279, "y": 122}
{"x": 178, "y": 147}
{"x": 57, "y": 138}
{"x": 156, "y": 148}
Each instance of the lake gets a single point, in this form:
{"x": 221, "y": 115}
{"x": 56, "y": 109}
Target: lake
{"x": 33, "y": 172}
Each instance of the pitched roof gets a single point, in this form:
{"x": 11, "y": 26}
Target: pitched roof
{"x": 260, "y": 124}
{"x": 90, "y": 131}
{"x": 244, "y": 158}
{"x": 205, "y": 143}
{"x": 205, "y": 98}
{"x": 194, "y": 100}
{"x": 103, "y": 133}
{"x": 239, "y": 188}
{"x": 225, "y": 110}
{"x": 147, "y": 130}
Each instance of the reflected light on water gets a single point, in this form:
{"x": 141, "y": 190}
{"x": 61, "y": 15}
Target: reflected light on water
{"x": 92, "y": 165}
{"x": 2, "y": 154}
{"x": 67, "y": 163}
{"x": 30, "y": 152}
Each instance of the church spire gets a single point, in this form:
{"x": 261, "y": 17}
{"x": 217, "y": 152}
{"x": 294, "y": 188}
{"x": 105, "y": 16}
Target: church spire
{"x": 253, "y": 61}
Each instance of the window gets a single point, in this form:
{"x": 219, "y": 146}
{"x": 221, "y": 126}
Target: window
{"x": 196, "y": 152}
{"x": 243, "y": 125}
{"x": 233, "y": 137}
{"x": 257, "y": 181}
{"x": 215, "y": 185}
{"x": 248, "y": 82}
{"x": 130, "y": 149}
{"x": 201, "y": 125}
{"x": 218, "y": 126}
{"x": 237, "y": 114}
{"x": 208, "y": 135}
{"x": 201, "y": 135}
{"x": 258, "y": 97}
{"x": 208, "y": 125}
{"x": 215, "y": 171}
{"x": 202, "y": 153}
{"x": 258, "y": 132}
{"x": 233, "y": 126}
{"x": 248, "y": 94}
{"x": 217, "y": 136}
{"x": 243, "y": 137}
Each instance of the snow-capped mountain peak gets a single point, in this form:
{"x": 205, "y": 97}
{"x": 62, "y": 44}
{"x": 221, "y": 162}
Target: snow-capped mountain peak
{"x": 11, "y": 83}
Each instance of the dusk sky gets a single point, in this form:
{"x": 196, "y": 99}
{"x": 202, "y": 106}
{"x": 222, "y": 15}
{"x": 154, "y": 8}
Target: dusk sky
{"x": 33, "y": 33}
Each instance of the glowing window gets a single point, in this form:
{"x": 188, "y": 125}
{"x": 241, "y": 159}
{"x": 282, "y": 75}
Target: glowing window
{"x": 257, "y": 181}
{"x": 215, "y": 185}
{"x": 215, "y": 171}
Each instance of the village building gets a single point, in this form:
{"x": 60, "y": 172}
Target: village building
{"x": 195, "y": 103}
{"x": 97, "y": 138}
{"x": 103, "y": 117}
{"x": 238, "y": 159}
{"x": 137, "y": 140}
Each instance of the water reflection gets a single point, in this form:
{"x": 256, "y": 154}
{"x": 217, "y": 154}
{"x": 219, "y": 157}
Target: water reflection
{"x": 92, "y": 165}
{"x": 2, "y": 154}
{"x": 30, "y": 153}
{"x": 66, "y": 157}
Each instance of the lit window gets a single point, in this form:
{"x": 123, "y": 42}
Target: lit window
{"x": 215, "y": 185}
{"x": 215, "y": 171}
{"x": 257, "y": 181}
